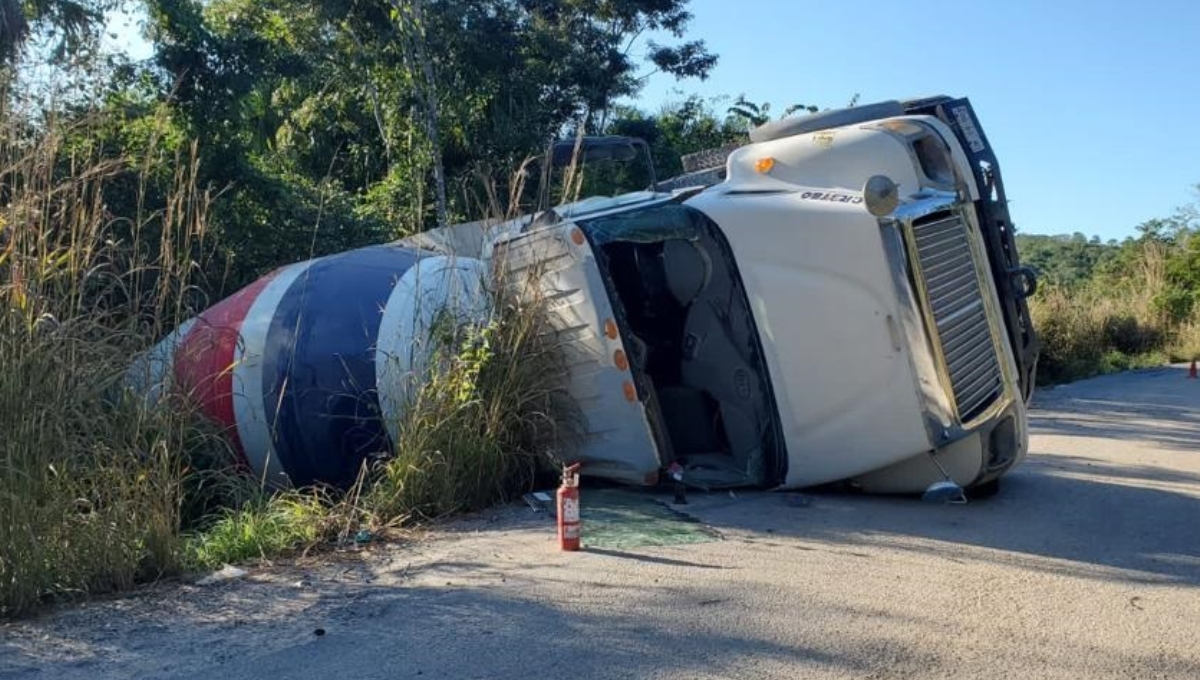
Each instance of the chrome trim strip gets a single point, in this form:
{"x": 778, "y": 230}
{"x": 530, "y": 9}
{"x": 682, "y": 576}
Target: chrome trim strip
{"x": 938, "y": 409}
{"x": 995, "y": 316}
{"x": 927, "y": 354}
{"x": 954, "y": 295}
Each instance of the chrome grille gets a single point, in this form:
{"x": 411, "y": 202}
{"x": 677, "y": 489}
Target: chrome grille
{"x": 955, "y": 301}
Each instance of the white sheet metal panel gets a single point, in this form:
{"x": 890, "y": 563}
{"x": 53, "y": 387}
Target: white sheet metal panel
{"x": 617, "y": 443}
{"x": 820, "y": 289}
{"x": 464, "y": 240}
{"x": 821, "y": 294}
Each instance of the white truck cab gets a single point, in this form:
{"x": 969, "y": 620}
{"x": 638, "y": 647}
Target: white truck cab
{"x": 840, "y": 302}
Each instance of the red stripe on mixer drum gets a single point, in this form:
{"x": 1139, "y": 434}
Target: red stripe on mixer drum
{"x": 204, "y": 361}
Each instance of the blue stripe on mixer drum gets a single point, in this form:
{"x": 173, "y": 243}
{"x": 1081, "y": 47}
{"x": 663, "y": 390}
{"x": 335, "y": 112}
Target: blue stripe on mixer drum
{"x": 319, "y": 364}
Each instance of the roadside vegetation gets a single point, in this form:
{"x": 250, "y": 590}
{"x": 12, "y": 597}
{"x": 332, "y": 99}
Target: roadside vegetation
{"x": 91, "y": 481}
{"x": 102, "y": 488}
{"x": 134, "y": 194}
{"x": 1108, "y": 307}
{"x": 262, "y": 132}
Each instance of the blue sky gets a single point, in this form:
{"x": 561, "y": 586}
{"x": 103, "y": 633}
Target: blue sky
{"x": 1093, "y": 107}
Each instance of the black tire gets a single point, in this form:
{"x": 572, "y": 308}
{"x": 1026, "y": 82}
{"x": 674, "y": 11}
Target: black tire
{"x": 985, "y": 490}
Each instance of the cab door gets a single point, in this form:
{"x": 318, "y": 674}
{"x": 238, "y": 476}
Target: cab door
{"x": 555, "y": 266}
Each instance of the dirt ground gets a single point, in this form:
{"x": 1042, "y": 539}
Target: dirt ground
{"x": 1085, "y": 565}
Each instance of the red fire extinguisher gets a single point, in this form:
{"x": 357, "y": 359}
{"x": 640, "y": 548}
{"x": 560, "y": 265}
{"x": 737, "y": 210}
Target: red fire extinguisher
{"x": 569, "y": 526}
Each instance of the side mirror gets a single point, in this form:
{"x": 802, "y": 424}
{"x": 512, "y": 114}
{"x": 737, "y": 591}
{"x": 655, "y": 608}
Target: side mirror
{"x": 944, "y": 491}
{"x": 1024, "y": 281}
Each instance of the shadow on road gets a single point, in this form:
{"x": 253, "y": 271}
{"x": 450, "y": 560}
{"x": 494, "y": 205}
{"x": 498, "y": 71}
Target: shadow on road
{"x": 1069, "y": 509}
{"x": 1041, "y": 520}
{"x": 1064, "y": 510}
{"x": 1132, "y": 473}
{"x": 390, "y": 632}
{"x": 493, "y": 633}
{"x": 652, "y": 559}
{"x": 476, "y": 633}
{"x": 1169, "y": 426}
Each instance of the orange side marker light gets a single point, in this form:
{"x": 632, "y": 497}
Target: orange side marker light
{"x": 630, "y": 391}
{"x": 610, "y": 329}
{"x": 620, "y": 360}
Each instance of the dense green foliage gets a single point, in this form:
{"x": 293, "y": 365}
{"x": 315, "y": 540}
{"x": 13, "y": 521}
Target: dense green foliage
{"x": 1066, "y": 260}
{"x": 382, "y": 118}
{"x": 329, "y": 125}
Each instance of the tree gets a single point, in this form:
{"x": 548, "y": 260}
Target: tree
{"x": 410, "y": 17}
{"x": 328, "y": 124}
{"x": 70, "y": 25}
{"x": 760, "y": 114}
{"x": 341, "y": 88}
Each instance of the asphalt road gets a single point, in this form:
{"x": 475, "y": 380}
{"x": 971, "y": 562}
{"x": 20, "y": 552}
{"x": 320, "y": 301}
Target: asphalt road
{"x": 1085, "y": 565}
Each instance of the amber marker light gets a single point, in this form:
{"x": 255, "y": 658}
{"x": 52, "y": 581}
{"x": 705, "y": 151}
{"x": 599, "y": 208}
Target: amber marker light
{"x": 630, "y": 391}
{"x": 621, "y": 361}
{"x": 610, "y": 329}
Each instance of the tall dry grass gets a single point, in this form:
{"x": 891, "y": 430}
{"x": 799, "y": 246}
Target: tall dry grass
{"x": 492, "y": 412}
{"x": 91, "y": 478}
{"x": 100, "y": 489}
{"x": 1113, "y": 325}
{"x": 1185, "y": 346}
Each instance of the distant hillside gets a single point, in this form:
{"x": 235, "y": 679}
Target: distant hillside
{"x": 1105, "y": 307}
{"x": 1067, "y": 259}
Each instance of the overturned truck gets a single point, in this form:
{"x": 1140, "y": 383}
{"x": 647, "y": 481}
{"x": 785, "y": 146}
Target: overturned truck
{"x": 839, "y": 300}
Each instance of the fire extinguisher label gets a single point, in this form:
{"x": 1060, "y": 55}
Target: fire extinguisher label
{"x": 570, "y": 510}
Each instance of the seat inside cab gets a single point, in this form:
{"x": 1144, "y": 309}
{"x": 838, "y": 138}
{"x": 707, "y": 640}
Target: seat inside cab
{"x": 687, "y": 323}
